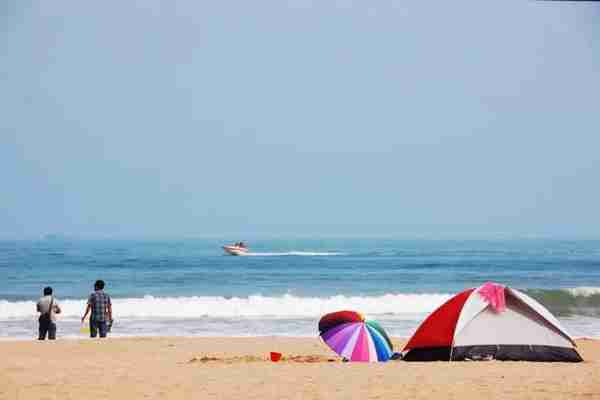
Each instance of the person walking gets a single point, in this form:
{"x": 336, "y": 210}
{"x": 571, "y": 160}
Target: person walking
{"x": 101, "y": 311}
{"x": 48, "y": 307}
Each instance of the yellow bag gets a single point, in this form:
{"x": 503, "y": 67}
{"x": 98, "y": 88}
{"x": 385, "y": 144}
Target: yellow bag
{"x": 85, "y": 328}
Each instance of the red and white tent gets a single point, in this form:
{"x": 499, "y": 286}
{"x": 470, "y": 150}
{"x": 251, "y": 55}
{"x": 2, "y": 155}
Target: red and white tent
{"x": 491, "y": 322}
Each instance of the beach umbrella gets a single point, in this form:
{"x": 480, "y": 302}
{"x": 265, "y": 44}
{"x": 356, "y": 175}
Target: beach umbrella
{"x": 349, "y": 335}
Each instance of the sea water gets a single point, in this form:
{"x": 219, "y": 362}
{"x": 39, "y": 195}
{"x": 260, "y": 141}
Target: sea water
{"x": 190, "y": 288}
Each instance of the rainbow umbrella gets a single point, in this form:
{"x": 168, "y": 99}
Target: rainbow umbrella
{"x": 349, "y": 335}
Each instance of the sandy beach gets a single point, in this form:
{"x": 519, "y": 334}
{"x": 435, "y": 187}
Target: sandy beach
{"x": 238, "y": 368}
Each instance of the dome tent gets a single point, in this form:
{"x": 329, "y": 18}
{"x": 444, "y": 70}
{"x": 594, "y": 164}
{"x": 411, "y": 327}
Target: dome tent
{"x": 491, "y": 322}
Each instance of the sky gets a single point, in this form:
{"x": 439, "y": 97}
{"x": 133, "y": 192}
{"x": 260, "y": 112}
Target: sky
{"x": 299, "y": 118}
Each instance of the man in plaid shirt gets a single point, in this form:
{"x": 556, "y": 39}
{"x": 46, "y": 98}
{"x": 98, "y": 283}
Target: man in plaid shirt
{"x": 100, "y": 306}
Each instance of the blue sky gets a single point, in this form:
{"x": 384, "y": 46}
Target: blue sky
{"x": 274, "y": 118}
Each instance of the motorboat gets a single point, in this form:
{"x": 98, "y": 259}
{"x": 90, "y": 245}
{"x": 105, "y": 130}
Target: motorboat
{"x": 238, "y": 249}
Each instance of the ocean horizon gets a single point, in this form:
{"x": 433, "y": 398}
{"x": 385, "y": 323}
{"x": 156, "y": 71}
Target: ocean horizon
{"x": 190, "y": 288}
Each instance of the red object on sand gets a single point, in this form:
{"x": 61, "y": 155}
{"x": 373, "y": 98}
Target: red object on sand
{"x": 275, "y": 356}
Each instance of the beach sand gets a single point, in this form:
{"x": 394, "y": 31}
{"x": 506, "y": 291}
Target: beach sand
{"x": 238, "y": 368}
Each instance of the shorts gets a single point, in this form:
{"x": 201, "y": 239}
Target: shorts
{"x": 47, "y": 327}
{"x": 98, "y": 326}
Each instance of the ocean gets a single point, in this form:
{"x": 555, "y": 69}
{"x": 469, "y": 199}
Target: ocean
{"x": 190, "y": 288}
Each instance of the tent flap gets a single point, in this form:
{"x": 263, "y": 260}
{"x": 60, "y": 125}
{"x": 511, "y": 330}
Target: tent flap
{"x": 438, "y": 328}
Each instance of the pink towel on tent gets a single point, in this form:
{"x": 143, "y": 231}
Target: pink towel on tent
{"x": 493, "y": 293}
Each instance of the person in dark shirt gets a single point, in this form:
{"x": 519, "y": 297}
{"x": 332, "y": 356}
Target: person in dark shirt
{"x": 101, "y": 311}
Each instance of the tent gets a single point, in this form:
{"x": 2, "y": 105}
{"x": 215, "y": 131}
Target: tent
{"x": 491, "y": 322}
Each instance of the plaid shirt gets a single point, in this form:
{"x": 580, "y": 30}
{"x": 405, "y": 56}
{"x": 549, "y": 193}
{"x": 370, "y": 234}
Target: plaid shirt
{"x": 99, "y": 301}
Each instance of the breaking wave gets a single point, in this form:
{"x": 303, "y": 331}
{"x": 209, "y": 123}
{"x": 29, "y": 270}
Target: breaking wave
{"x": 257, "y": 306}
{"x": 562, "y": 302}
{"x": 566, "y": 302}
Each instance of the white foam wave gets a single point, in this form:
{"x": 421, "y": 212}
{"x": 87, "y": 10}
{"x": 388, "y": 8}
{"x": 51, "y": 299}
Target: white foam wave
{"x": 257, "y": 306}
{"x": 295, "y": 253}
{"x": 585, "y": 291}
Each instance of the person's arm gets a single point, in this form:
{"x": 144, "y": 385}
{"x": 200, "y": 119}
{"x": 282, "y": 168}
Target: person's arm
{"x": 87, "y": 309}
{"x": 57, "y": 309}
{"x": 38, "y": 307}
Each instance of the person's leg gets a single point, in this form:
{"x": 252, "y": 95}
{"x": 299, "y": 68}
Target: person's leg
{"x": 43, "y": 329}
{"x": 103, "y": 327}
{"x": 93, "y": 328}
{"x": 52, "y": 331}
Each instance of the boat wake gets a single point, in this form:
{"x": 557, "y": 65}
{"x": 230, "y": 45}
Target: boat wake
{"x": 295, "y": 253}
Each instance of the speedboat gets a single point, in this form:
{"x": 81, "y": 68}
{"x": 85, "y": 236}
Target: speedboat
{"x": 236, "y": 249}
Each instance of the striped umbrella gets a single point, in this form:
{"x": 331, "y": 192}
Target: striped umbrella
{"x": 349, "y": 335}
